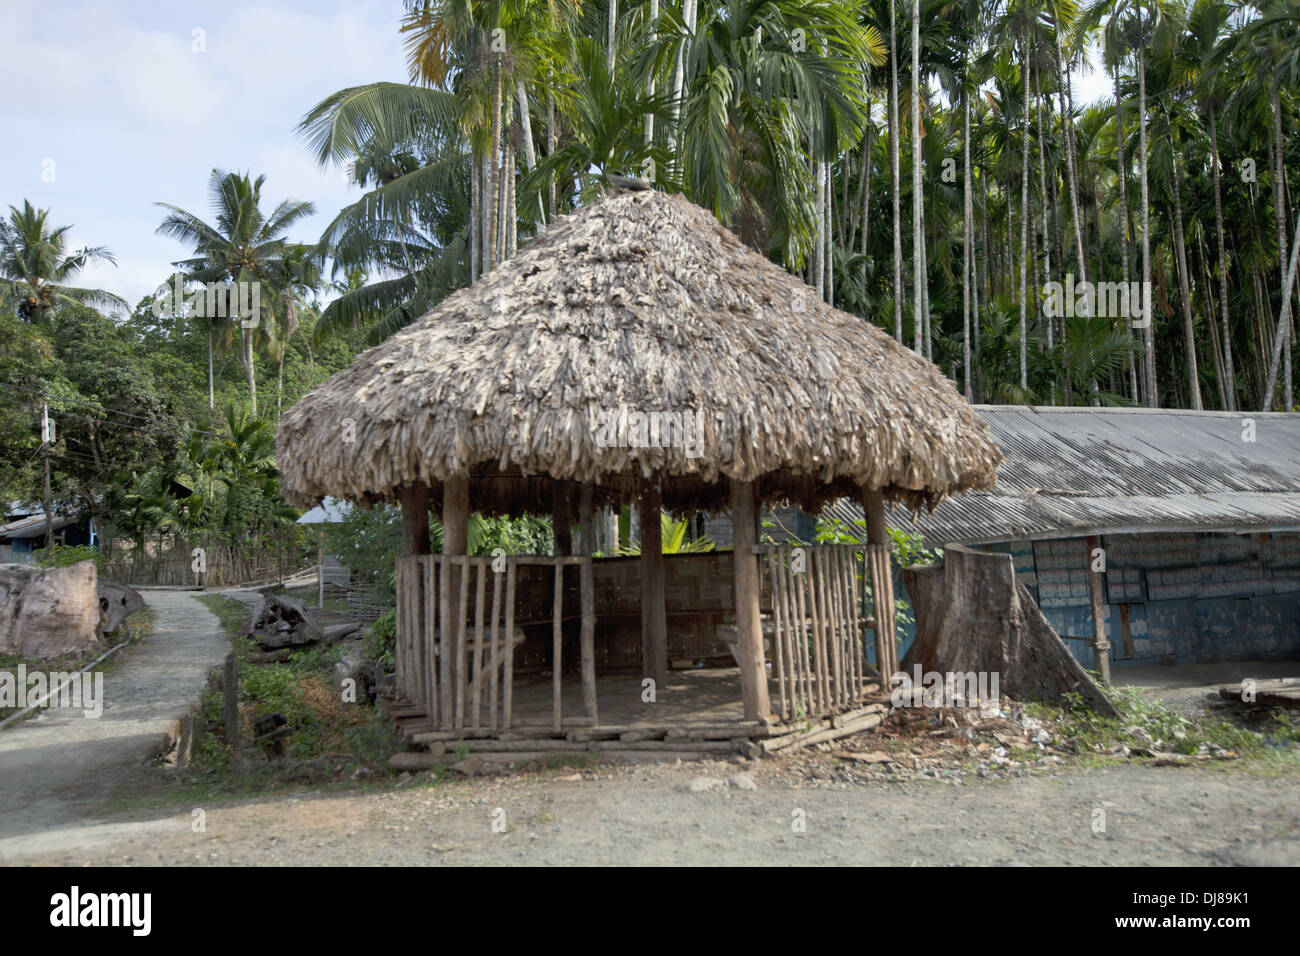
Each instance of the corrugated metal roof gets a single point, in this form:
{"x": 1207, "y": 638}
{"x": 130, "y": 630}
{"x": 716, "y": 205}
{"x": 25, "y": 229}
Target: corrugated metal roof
{"x": 1076, "y": 471}
{"x": 34, "y": 526}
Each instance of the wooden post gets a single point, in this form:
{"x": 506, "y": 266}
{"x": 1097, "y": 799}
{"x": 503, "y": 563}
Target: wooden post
{"x": 455, "y": 539}
{"x": 562, "y": 516}
{"x": 749, "y": 628}
{"x": 1100, "y": 646}
{"x": 873, "y": 505}
{"x": 320, "y": 569}
{"x": 654, "y": 612}
{"x": 230, "y": 699}
{"x": 415, "y": 541}
{"x": 588, "y": 633}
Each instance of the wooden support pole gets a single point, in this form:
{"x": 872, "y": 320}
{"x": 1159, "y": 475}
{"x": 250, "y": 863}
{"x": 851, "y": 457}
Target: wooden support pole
{"x": 508, "y": 678}
{"x": 410, "y": 597}
{"x": 480, "y": 590}
{"x": 873, "y": 505}
{"x": 455, "y": 539}
{"x": 749, "y": 632}
{"x": 654, "y": 612}
{"x": 562, "y": 516}
{"x": 587, "y": 639}
{"x": 1100, "y": 646}
{"x": 557, "y": 653}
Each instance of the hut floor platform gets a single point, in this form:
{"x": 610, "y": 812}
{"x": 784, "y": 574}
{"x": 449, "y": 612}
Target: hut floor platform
{"x": 697, "y": 715}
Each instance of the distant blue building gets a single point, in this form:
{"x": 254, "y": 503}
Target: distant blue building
{"x": 23, "y": 532}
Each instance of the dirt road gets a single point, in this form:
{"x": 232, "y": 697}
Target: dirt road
{"x": 643, "y": 816}
{"x": 58, "y": 765}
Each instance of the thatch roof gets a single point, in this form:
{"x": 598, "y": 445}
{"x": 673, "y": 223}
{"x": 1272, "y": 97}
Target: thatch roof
{"x": 642, "y": 301}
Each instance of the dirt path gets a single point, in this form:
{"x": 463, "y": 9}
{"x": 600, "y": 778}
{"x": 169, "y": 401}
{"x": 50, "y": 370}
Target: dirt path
{"x": 57, "y": 765}
{"x": 643, "y": 815}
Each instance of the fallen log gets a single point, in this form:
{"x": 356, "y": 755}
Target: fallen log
{"x": 974, "y": 617}
{"x": 280, "y": 621}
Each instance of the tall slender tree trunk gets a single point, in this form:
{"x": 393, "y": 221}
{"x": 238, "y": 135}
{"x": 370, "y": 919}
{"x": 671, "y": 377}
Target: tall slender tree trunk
{"x": 1283, "y": 334}
{"x": 613, "y": 31}
{"x": 493, "y": 198}
{"x": 830, "y": 233}
{"x": 819, "y": 253}
{"x": 1024, "y": 225}
{"x": 918, "y": 239}
{"x": 1152, "y": 390}
{"x": 526, "y": 131}
{"x": 1125, "y": 227}
{"x": 211, "y": 391}
{"x": 1279, "y": 207}
{"x": 1230, "y": 380}
{"x": 894, "y": 163}
{"x": 966, "y": 233}
{"x": 650, "y": 89}
{"x": 1067, "y": 127}
{"x": 252, "y": 371}
{"x": 475, "y": 215}
{"x": 1185, "y": 288}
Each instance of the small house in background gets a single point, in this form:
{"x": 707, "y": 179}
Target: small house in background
{"x": 1196, "y": 515}
{"x": 329, "y": 572}
{"x": 23, "y": 532}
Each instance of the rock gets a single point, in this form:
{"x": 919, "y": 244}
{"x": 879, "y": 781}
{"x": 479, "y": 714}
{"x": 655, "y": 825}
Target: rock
{"x": 117, "y": 602}
{"x": 1139, "y": 734}
{"x": 703, "y": 785}
{"x": 48, "y": 613}
{"x": 741, "y": 781}
{"x": 470, "y": 766}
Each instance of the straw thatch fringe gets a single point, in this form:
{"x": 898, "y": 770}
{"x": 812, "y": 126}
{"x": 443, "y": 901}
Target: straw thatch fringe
{"x": 641, "y": 301}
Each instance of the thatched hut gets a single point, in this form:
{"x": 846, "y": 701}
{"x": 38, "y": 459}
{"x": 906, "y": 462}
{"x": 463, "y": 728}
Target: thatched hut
{"x": 637, "y": 352}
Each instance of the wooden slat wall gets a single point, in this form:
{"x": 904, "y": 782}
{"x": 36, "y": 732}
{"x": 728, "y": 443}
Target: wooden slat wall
{"x": 452, "y": 669}
{"x": 819, "y": 623}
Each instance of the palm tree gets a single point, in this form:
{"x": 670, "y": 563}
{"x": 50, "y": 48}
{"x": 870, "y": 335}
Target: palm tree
{"x": 243, "y": 246}
{"x": 36, "y": 267}
{"x": 769, "y": 86}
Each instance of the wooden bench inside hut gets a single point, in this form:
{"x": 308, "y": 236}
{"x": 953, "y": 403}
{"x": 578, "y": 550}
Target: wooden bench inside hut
{"x": 529, "y": 393}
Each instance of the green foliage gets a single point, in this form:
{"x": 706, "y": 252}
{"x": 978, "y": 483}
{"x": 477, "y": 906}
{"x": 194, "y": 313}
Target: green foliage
{"x": 1077, "y": 726}
{"x": 673, "y": 535}
{"x": 381, "y": 644}
{"x": 64, "y": 555}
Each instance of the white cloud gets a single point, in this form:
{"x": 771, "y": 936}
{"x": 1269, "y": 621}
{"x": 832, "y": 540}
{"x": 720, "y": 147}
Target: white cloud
{"x": 131, "y": 114}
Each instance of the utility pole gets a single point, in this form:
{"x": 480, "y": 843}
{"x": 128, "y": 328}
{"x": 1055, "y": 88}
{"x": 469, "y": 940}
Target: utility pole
{"x": 47, "y": 439}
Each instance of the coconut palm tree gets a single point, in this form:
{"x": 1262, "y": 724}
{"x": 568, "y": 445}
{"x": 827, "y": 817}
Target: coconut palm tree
{"x": 243, "y": 245}
{"x": 36, "y": 266}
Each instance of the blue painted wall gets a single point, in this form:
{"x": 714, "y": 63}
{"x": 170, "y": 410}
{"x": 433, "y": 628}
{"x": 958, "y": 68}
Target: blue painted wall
{"x": 1190, "y": 597}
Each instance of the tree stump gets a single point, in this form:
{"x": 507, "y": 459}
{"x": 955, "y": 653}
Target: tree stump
{"x": 972, "y": 615}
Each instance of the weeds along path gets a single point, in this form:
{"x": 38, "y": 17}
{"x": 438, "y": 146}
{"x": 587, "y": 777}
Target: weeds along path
{"x": 57, "y": 764}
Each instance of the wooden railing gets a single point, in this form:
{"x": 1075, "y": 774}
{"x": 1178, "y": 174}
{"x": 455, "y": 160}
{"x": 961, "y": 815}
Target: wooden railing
{"x": 819, "y": 597}
{"x": 453, "y": 661}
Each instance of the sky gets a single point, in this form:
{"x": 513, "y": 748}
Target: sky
{"x": 113, "y": 106}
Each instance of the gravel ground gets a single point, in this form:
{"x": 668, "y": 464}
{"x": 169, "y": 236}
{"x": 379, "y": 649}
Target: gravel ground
{"x": 690, "y": 814}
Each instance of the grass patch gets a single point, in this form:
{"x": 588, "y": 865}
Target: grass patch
{"x": 1267, "y": 741}
{"x": 333, "y": 742}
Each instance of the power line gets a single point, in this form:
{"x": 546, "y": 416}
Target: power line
{"x": 84, "y": 402}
